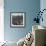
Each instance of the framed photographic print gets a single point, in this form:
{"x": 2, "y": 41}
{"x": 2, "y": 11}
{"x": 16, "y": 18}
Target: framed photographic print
{"x": 17, "y": 19}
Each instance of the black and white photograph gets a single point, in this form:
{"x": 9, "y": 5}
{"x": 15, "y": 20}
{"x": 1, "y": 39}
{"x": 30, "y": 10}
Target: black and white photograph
{"x": 17, "y": 19}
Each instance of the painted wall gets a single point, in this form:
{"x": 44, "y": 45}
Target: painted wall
{"x": 43, "y": 6}
{"x": 28, "y": 6}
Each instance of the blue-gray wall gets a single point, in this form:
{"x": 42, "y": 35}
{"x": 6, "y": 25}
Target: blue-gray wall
{"x": 43, "y": 6}
{"x": 28, "y": 6}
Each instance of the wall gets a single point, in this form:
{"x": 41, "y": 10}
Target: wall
{"x": 28, "y": 6}
{"x": 43, "y": 6}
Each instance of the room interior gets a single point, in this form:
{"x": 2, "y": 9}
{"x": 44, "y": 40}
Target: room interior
{"x": 16, "y": 36}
